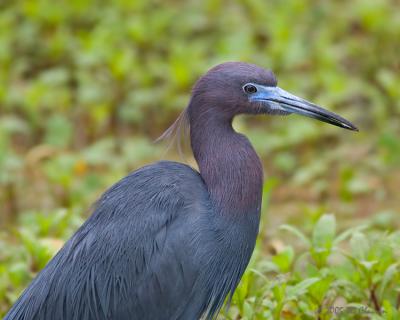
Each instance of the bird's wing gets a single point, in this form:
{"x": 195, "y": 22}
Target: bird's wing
{"x": 132, "y": 259}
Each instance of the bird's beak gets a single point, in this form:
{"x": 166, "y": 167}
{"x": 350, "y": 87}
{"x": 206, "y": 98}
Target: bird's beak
{"x": 287, "y": 102}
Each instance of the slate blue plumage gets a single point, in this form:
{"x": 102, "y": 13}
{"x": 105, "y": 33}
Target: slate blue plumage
{"x": 168, "y": 242}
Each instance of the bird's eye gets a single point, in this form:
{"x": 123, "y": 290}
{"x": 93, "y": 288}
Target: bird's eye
{"x": 249, "y": 88}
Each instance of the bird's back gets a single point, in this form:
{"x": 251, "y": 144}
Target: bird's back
{"x": 152, "y": 249}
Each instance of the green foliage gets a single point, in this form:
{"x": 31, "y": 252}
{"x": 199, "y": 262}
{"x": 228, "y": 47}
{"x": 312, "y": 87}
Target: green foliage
{"x": 37, "y": 239}
{"x": 353, "y": 275}
{"x": 86, "y": 86}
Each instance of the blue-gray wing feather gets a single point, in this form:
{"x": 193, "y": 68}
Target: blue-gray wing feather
{"x": 134, "y": 258}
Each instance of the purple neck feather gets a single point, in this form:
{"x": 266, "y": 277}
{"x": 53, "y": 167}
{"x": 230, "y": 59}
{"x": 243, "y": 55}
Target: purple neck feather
{"x": 228, "y": 163}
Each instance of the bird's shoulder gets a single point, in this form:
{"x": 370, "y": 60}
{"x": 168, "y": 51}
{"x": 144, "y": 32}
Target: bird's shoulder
{"x": 167, "y": 173}
{"x": 161, "y": 186}
{"x": 159, "y": 175}
{"x": 144, "y": 204}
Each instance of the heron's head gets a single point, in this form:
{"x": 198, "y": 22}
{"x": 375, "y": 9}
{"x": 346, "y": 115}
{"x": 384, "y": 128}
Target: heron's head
{"x": 234, "y": 88}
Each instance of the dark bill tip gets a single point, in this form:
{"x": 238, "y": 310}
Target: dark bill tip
{"x": 294, "y": 104}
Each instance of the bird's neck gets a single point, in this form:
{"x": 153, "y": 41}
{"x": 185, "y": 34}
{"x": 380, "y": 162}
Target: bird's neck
{"x": 229, "y": 166}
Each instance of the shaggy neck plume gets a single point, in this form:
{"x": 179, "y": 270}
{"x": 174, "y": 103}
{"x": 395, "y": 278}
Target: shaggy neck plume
{"x": 228, "y": 163}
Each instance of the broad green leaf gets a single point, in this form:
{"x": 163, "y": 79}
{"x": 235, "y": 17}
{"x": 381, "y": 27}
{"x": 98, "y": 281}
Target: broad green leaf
{"x": 359, "y": 245}
{"x": 324, "y": 232}
{"x": 284, "y": 259}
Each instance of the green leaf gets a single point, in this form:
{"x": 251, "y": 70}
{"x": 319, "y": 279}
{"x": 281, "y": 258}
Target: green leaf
{"x": 388, "y": 277}
{"x": 284, "y": 259}
{"x": 324, "y": 232}
{"x": 347, "y": 233}
{"x": 299, "y": 289}
{"x": 359, "y": 245}
{"x": 320, "y": 288}
{"x": 248, "y": 311}
{"x": 296, "y": 232}
{"x": 390, "y": 312}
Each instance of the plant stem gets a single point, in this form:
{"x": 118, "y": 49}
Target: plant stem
{"x": 374, "y": 300}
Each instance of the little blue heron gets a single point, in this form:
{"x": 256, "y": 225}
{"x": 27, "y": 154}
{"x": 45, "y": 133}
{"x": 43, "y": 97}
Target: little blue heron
{"x": 168, "y": 242}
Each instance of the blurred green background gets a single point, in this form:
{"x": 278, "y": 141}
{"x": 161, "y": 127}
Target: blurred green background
{"x": 87, "y": 86}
